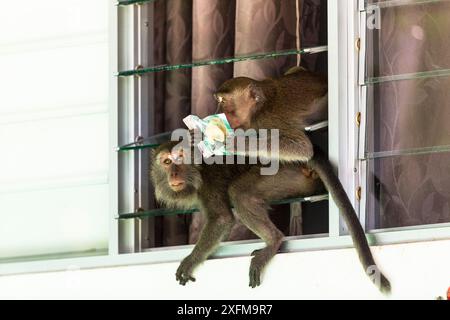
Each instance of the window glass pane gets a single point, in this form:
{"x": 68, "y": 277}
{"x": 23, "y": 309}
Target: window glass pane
{"x": 186, "y": 33}
{"x": 408, "y": 191}
{"x": 410, "y": 38}
{"x": 188, "y": 30}
{"x": 407, "y": 115}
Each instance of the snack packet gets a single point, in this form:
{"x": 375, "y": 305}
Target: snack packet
{"x": 216, "y": 130}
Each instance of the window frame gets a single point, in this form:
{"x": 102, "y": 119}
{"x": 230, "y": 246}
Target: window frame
{"x": 424, "y": 232}
{"x": 345, "y": 103}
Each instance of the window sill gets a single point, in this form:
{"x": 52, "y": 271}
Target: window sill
{"x": 226, "y": 250}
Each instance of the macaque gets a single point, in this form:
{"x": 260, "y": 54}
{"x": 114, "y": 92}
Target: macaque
{"x": 289, "y": 104}
{"x": 215, "y": 189}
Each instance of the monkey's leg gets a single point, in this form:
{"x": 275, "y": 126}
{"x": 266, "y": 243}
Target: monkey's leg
{"x": 250, "y": 194}
{"x": 254, "y": 215}
{"x": 252, "y": 211}
{"x": 219, "y": 222}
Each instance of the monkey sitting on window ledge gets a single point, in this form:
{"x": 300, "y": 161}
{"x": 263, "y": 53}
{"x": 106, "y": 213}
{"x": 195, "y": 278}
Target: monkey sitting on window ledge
{"x": 215, "y": 189}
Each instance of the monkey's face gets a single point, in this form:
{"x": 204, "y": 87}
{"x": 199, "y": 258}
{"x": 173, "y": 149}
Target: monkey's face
{"x": 239, "y": 99}
{"x": 175, "y": 183}
{"x": 171, "y": 164}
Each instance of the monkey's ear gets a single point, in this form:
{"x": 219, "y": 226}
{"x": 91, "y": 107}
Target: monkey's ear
{"x": 256, "y": 93}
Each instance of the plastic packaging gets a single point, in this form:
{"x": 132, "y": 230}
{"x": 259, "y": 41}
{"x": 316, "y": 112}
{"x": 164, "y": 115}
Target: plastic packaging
{"x": 216, "y": 130}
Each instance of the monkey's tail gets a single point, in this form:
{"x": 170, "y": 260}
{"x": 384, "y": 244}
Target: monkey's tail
{"x": 324, "y": 169}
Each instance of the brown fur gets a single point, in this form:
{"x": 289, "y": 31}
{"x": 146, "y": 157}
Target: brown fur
{"x": 215, "y": 189}
{"x": 289, "y": 104}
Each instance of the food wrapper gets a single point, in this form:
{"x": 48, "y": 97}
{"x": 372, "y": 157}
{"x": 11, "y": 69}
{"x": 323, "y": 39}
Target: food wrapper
{"x": 216, "y": 130}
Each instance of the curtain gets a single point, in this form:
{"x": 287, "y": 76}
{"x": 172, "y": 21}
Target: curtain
{"x": 191, "y": 30}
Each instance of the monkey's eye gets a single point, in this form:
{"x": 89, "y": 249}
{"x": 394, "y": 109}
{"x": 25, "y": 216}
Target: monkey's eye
{"x": 220, "y": 99}
{"x": 167, "y": 161}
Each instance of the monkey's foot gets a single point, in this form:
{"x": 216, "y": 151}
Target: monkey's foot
{"x": 184, "y": 271}
{"x": 255, "y": 275}
{"x": 259, "y": 261}
{"x": 255, "y": 252}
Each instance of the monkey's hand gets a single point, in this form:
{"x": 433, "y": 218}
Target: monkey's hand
{"x": 309, "y": 173}
{"x": 184, "y": 271}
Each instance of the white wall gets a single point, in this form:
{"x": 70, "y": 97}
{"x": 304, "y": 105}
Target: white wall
{"x": 417, "y": 271}
{"x": 54, "y": 127}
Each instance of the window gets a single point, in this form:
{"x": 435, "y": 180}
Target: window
{"x": 173, "y": 57}
{"x": 85, "y": 78}
{"x": 405, "y": 140}
{"x": 174, "y": 63}
{"x": 54, "y": 129}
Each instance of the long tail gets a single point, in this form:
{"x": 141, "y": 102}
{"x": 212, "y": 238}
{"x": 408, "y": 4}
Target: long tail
{"x": 324, "y": 169}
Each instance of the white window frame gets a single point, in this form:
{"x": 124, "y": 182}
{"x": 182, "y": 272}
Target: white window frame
{"x": 343, "y": 32}
{"x": 400, "y": 234}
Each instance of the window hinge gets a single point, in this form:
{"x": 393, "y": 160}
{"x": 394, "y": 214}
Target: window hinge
{"x": 358, "y": 193}
{"x": 138, "y": 68}
{"x": 358, "y": 44}
{"x": 358, "y": 119}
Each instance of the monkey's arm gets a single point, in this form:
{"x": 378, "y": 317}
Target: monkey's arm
{"x": 295, "y": 146}
{"x": 219, "y": 221}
